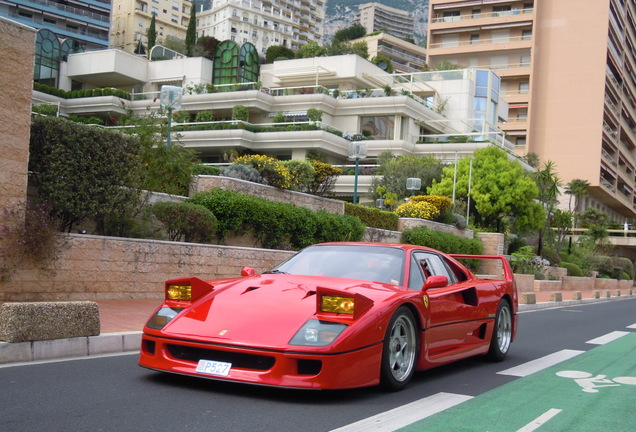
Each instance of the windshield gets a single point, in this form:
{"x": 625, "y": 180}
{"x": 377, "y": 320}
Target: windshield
{"x": 371, "y": 263}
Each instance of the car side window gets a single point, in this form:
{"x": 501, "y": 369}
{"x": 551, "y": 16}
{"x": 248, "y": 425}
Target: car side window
{"x": 427, "y": 264}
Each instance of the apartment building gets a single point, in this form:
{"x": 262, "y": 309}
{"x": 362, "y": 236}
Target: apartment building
{"x": 86, "y": 22}
{"x": 131, "y": 20}
{"x": 422, "y": 113}
{"x": 264, "y": 23}
{"x": 376, "y": 16}
{"x": 568, "y": 72}
{"x": 405, "y": 56}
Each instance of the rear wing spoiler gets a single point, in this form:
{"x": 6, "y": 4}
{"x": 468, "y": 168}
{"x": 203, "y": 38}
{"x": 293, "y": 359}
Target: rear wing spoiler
{"x": 505, "y": 265}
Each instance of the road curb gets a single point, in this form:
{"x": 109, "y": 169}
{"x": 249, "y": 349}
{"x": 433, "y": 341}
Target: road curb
{"x": 107, "y": 343}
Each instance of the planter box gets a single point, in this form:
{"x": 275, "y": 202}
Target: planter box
{"x": 576, "y": 283}
{"x": 547, "y": 285}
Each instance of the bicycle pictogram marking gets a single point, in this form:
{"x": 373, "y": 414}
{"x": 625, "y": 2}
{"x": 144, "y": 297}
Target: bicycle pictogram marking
{"x": 590, "y": 383}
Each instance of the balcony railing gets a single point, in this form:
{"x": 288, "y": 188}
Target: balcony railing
{"x": 490, "y": 41}
{"x": 498, "y": 14}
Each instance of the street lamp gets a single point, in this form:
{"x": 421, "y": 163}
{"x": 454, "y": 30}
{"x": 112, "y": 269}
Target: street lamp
{"x": 357, "y": 151}
{"x": 170, "y": 99}
{"x": 413, "y": 184}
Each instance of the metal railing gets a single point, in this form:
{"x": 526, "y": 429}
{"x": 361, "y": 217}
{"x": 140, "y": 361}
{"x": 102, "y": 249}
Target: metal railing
{"x": 494, "y": 14}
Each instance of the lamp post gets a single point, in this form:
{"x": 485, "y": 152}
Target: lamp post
{"x": 413, "y": 184}
{"x": 357, "y": 151}
{"x": 170, "y": 99}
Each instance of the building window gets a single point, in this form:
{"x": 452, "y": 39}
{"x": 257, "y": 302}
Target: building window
{"x": 155, "y": 11}
{"x": 474, "y": 39}
{"x": 476, "y": 13}
{"x": 524, "y": 87}
{"x": 501, "y": 10}
{"x": 380, "y": 127}
{"x": 526, "y": 34}
{"x": 175, "y": 6}
{"x": 451, "y": 16}
{"x": 524, "y": 61}
{"x": 522, "y": 114}
{"x": 521, "y": 141}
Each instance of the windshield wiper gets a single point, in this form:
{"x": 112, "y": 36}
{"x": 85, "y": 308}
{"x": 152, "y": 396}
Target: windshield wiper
{"x": 275, "y": 272}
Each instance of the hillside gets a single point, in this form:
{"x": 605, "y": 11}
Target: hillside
{"x": 341, "y": 13}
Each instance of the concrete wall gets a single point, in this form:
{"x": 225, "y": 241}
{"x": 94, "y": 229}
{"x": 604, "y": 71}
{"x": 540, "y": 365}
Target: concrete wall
{"x": 17, "y": 47}
{"x": 204, "y": 183}
{"x": 109, "y": 268}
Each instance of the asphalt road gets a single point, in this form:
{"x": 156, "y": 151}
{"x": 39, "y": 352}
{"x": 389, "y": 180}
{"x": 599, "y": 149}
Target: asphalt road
{"x": 114, "y": 394}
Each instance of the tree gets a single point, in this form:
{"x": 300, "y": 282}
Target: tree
{"x": 343, "y": 47}
{"x": 152, "y": 34}
{"x": 562, "y": 221}
{"x": 355, "y": 31}
{"x": 548, "y": 183}
{"x": 191, "y": 32}
{"x": 278, "y": 52}
{"x": 576, "y": 188}
{"x": 175, "y": 44}
{"x": 377, "y": 60}
{"x": 396, "y": 169}
{"x": 206, "y": 47}
{"x": 311, "y": 49}
{"x": 500, "y": 191}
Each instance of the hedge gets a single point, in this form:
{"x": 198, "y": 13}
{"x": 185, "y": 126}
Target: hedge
{"x": 444, "y": 242}
{"x": 373, "y": 217}
{"x": 276, "y": 225}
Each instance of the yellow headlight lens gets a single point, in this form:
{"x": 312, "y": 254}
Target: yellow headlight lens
{"x": 179, "y": 292}
{"x": 334, "y": 304}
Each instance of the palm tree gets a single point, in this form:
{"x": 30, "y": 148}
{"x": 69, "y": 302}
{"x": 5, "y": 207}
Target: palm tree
{"x": 548, "y": 183}
{"x": 577, "y": 188}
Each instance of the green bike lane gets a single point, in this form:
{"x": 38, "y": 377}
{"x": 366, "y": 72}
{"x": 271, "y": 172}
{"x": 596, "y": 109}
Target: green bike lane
{"x": 593, "y": 391}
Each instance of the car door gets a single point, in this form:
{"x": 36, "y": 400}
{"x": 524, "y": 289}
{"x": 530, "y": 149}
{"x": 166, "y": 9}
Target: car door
{"x": 454, "y": 324}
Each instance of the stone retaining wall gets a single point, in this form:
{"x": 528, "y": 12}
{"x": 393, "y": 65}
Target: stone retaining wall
{"x": 577, "y": 283}
{"x": 203, "y": 183}
{"x": 110, "y": 268}
{"x": 404, "y": 223}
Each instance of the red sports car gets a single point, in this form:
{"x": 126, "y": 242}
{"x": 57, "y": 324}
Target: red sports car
{"x": 334, "y": 316}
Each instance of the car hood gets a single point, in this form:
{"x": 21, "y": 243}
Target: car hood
{"x": 265, "y": 310}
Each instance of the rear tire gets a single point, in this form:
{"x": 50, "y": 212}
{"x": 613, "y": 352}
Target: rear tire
{"x": 399, "y": 351}
{"x": 501, "y": 333}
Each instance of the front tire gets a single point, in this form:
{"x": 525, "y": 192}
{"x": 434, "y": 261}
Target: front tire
{"x": 501, "y": 333}
{"x": 399, "y": 351}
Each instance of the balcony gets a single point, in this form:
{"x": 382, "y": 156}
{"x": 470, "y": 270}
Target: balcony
{"x": 481, "y": 45}
{"x": 469, "y": 18}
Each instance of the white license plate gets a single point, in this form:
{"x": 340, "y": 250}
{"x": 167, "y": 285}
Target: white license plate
{"x": 214, "y": 367}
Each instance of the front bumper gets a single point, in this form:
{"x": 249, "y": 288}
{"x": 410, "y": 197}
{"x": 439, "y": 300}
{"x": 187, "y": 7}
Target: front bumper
{"x": 283, "y": 368}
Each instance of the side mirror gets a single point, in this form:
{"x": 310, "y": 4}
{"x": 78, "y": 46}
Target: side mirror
{"x": 247, "y": 271}
{"x": 435, "y": 282}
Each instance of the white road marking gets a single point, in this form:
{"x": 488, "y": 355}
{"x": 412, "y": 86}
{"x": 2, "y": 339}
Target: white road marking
{"x": 633, "y": 326}
{"x": 541, "y": 363}
{"x": 540, "y": 421}
{"x": 608, "y": 338}
{"x": 405, "y": 415}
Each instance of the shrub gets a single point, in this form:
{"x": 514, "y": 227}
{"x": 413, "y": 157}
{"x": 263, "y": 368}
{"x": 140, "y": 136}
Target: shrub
{"x": 242, "y": 172}
{"x": 573, "y": 269}
{"x": 301, "y": 173}
{"x": 29, "y": 236}
{"x": 272, "y": 171}
{"x": 279, "y": 118}
{"x": 324, "y": 179}
{"x": 184, "y": 220}
{"x": 240, "y": 112}
{"x": 417, "y": 209}
{"x": 204, "y": 116}
{"x": 198, "y": 169}
{"x": 314, "y": 114}
{"x": 277, "y": 225}
{"x": 181, "y": 116}
{"x": 441, "y": 203}
{"x": 44, "y": 109}
{"x": 373, "y": 217}
{"x": 444, "y": 242}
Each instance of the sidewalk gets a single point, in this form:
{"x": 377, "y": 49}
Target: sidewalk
{"x": 122, "y": 322}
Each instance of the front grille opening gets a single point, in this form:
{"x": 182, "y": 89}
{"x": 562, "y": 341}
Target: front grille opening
{"x": 309, "y": 367}
{"x": 148, "y": 346}
{"x": 238, "y": 360}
